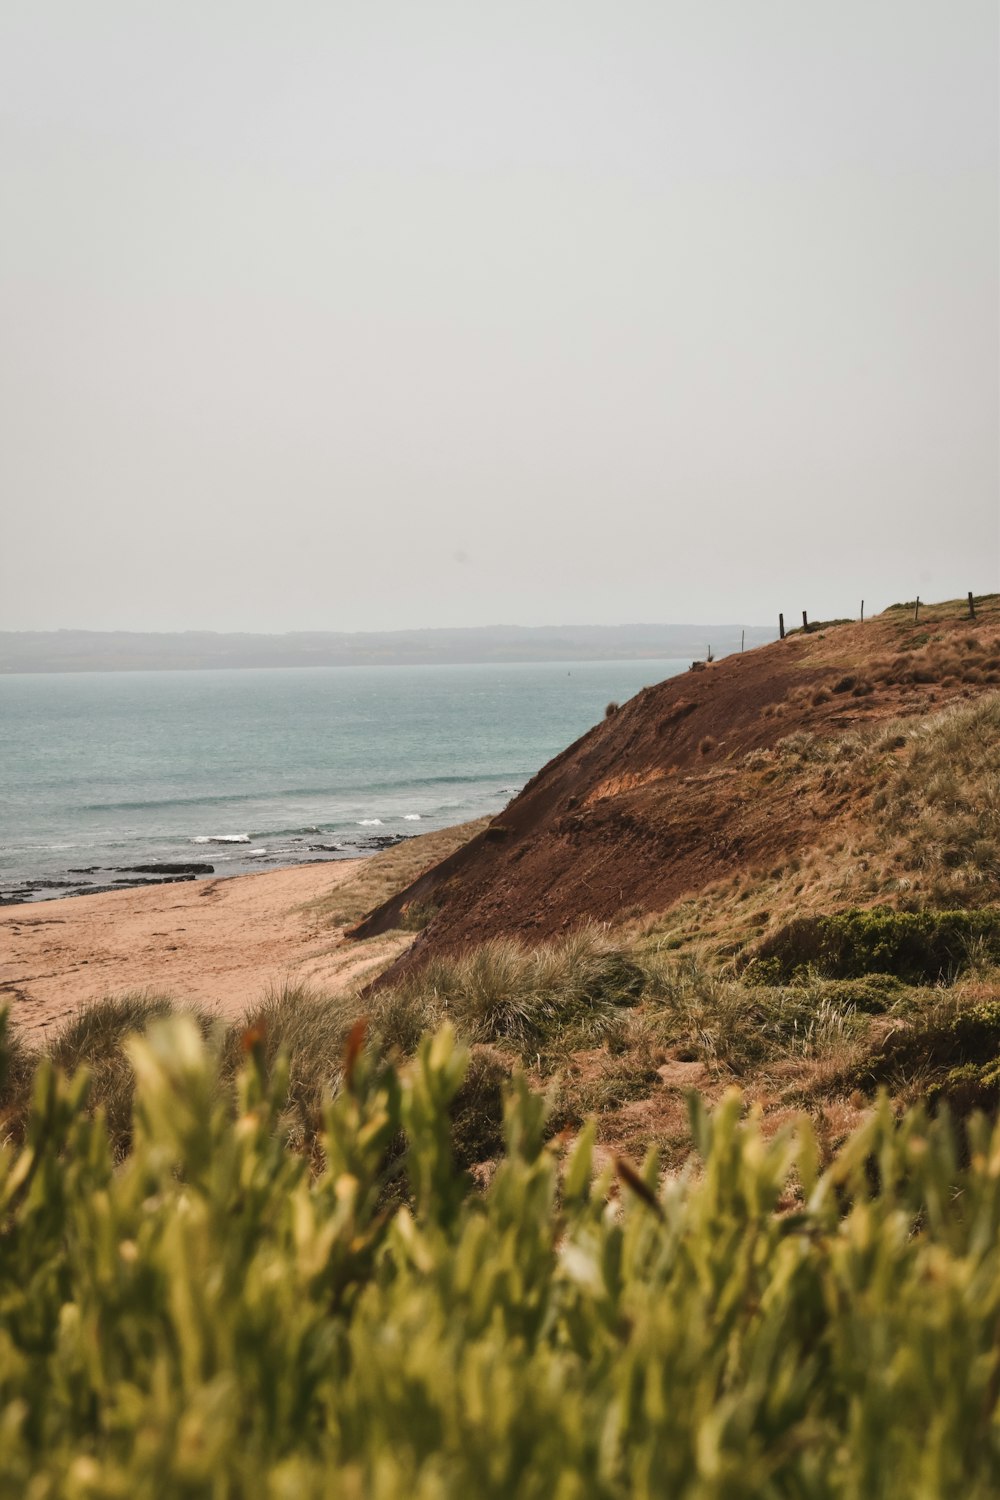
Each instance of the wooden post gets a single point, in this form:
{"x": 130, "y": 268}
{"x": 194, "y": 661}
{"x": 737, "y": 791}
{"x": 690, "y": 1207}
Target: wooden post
{"x": 916, "y": 610}
{"x": 972, "y": 607}
{"x": 805, "y": 620}
{"x": 781, "y": 627}
{"x": 862, "y": 611}
{"x": 743, "y": 639}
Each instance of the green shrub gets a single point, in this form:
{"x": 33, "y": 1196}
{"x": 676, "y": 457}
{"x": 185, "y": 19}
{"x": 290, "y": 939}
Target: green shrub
{"x": 210, "y": 1319}
{"x": 871, "y": 994}
{"x": 916, "y": 947}
{"x": 951, "y": 1048}
{"x": 815, "y": 625}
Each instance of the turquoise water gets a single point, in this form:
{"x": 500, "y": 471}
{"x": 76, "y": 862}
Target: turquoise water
{"x": 104, "y": 770}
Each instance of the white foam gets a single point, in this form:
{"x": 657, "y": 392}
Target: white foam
{"x": 222, "y": 838}
{"x": 255, "y": 853}
{"x": 411, "y": 817}
{"x": 369, "y": 822}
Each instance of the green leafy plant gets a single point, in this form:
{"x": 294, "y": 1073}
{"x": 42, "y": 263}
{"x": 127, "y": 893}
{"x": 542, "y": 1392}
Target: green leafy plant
{"x": 917, "y": 947}
{"x": 212, "y": 1317}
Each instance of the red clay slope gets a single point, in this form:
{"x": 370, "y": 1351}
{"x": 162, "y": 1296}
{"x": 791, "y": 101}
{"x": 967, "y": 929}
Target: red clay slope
{"x": 655, "y": 801}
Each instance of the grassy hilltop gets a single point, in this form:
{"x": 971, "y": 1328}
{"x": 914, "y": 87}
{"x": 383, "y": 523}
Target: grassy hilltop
{"x": 661, "y": 1164}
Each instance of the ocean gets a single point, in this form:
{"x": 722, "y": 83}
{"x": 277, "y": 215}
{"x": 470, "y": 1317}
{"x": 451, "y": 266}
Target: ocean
{"x": 247, "y": 769}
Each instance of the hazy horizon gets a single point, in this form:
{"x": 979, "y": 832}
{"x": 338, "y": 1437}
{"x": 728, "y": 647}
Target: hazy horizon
{"x": 427, "y": 316}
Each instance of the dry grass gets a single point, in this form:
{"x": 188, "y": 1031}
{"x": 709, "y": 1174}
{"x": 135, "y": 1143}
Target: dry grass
{"x": 526, "y": 998}
{"x": 906, "y": 813}
{"x": 939, "y": 808}
{"x": 17, "y": 1067}
{"x": 381, "y": 877}
{"x": 593, "y": 1021}
{"x": 947, "y": 609}
{"x": 94, "y": 1040}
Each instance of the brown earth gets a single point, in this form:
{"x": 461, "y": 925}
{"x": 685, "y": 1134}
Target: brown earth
{"x": 658, "y": 801}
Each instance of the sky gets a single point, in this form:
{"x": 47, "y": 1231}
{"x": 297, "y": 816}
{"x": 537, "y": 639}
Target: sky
{"x": 404, "y": 313}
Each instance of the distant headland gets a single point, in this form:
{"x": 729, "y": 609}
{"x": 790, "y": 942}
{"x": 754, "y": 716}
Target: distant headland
{"x": 200, "y": 650}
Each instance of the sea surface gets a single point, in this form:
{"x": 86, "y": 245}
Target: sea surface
{"x": 246, "y": 769}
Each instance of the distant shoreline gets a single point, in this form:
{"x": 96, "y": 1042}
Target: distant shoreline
{"x": 24, "y": 652}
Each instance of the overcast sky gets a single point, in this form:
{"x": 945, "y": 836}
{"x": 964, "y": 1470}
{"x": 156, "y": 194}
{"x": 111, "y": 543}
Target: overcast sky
{"x": 360, "y": 315}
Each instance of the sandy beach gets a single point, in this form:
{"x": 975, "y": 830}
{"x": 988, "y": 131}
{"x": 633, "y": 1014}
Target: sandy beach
{"x": 216, "y": 943}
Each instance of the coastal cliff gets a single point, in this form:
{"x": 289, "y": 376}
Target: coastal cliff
{"x": 732, "y": 772}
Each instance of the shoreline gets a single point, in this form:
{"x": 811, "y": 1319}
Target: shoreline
{"x": 32, "y": 890}
{"x": 218, "y": 944}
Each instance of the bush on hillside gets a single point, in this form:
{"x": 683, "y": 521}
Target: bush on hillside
{"x": 917, "y": 947}
{"x": 950, "y": 1050}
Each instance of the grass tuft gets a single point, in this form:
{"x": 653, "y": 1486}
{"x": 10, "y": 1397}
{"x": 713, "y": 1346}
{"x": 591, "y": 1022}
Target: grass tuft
{"x": 525, "y": 997}
{"x": 95, "y": 1039}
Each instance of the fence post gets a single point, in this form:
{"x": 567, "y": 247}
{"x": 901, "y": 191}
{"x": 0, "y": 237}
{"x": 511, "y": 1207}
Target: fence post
{"x": 916, "y": 611}
{"x": 972, "y": 607}
{"x": 743, "y": 638}
{"x": 862, "y": 611}
{"x": 805, "y": 621}
{"x": 781, "y": 627}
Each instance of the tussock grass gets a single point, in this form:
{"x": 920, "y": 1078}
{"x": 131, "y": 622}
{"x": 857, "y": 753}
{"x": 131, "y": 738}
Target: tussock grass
{"x": 922, "y": 827}
{"x": 940, "y": 809}
{"x": 922, "y": 832}
{"x": 18, "y": 1062}
{"x": 525, "y": 997}
{"x": 309, "y": 1032}
{"x": 698, "y": 1014}
{"x": 477, "y": 1108}
{"x": 95, "y": 1039}
{"x": 98, "y": 1030}
{"x": 591, "y": 1019}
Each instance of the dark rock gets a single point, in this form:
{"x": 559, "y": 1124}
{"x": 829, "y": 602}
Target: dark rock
{"x": 192, "y": 867}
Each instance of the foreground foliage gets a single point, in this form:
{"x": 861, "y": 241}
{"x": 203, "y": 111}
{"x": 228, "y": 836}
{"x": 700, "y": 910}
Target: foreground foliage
{"x": 212, "y": 1317}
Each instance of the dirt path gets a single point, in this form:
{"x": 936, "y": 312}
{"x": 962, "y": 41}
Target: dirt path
{"x": 216, "y": 943}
